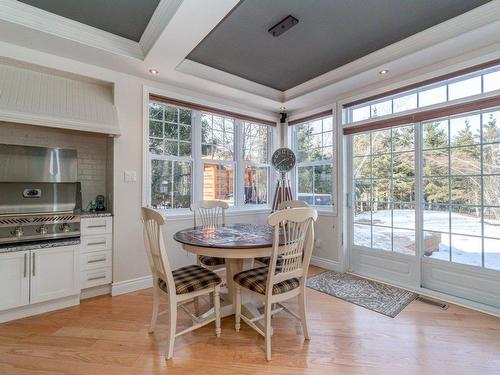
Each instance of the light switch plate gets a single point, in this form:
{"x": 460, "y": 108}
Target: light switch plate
{"x": 130, "y": 176}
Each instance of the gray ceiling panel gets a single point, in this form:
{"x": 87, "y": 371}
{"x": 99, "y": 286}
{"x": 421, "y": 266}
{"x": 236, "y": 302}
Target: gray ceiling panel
{"x": 126, "y": 18}
{"x": 330, "y": 33}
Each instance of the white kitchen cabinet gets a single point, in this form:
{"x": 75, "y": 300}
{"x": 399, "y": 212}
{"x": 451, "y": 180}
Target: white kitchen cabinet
{"x": 14, "y": 279}
{"x": 54, "y": 273}
{"x": 96, "y": 257}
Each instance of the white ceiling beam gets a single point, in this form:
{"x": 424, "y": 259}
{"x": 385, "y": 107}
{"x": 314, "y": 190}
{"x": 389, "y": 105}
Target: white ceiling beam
{"x": 20, "y": 14}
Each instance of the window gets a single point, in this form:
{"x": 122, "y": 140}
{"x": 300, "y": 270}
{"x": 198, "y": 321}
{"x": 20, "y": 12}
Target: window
{"x": 170, "y": 154}
{"x": 461, "y": 181}
{"x": 384, "y": 189}
{"x": 217, "y": 150}
{"x": 482, "y": 81}
{"x": 256, "y": 149}
{"x": 313, "y": 144}
{"x": 195, "y": 155}
{"x": 460, "y": 184}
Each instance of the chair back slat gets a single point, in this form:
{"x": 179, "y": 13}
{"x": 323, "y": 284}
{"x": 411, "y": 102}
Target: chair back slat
{"x": 155, "y": 247}
{"x": 292, "y": 245}
{"x": 209, "y": 213}
{"x": 292, "y": 204}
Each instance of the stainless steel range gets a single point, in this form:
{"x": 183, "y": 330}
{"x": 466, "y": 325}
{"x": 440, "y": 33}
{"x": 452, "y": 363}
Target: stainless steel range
{"x": 40, "y": 198}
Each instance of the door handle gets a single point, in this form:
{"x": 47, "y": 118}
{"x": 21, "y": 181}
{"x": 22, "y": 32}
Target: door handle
{"x": 96, "y": 243}
{"x": 97, "y": 226}
{"x": 25, "y": 264}
{"x": 97, "y": 260}
{"x": 33, "y": 260}
{"x": 96, "y": 278}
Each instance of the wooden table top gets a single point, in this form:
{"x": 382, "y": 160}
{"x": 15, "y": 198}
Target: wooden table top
{"x": 231, "y": 236}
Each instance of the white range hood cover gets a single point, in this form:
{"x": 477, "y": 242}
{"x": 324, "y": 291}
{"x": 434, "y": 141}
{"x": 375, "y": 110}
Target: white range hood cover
{"x": 38, "y": 96}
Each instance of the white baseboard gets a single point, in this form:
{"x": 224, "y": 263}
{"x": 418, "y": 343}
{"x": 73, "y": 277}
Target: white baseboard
{"x": 327, "y": 264}
{"x": 95, "y": 291}
{"x": 38, "y": 308}
{"x": 122, "y": 287}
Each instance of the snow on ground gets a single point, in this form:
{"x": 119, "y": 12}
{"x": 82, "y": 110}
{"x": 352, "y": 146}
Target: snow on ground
{"x": 465, "y": 248}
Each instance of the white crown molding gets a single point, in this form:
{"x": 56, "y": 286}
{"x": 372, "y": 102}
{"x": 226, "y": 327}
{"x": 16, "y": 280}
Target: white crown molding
{"x": 164, "y": 12}
{"x": 228, "y": 79}
{"x": 474, "y": 19}
{"x": 31, "y": 17}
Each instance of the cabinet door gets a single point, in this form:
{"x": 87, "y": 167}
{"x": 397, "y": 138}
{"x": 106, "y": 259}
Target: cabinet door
{"x": 54, "y": 273}
{"x": 14, "y": 279}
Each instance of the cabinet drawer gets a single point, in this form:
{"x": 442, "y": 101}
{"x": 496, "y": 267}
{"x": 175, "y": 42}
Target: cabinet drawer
{"x": 96, "y": 225}
{"x": 96, "y": 243}
{"x": 96, "y": 259}
{"x": 91, "y": 278}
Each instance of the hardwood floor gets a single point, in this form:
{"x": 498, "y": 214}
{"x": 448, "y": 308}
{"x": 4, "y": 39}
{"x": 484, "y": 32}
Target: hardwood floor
{"x": 108, "y": 335}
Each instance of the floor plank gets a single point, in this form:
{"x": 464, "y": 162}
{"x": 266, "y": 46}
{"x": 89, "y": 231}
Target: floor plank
{"x": 107, "y": 335}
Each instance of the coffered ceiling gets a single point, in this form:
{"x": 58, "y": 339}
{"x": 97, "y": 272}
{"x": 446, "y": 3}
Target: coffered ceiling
{"x": 329, "y": 34}
{"x": 126, "y": 18}
{"x": 222, "y": 48}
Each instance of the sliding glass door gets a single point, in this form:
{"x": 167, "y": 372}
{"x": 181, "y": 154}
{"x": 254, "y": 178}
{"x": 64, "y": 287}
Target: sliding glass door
{"x": 425, "y": 206}
{"x": 384, "y": 195}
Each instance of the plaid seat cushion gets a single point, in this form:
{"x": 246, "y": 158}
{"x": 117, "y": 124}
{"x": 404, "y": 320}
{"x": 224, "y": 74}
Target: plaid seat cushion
{"x": 266, "y": 260}
{"x": 255, "y": 279}
{"x": 191, "y": 279}
{"x": 211, "y": 261}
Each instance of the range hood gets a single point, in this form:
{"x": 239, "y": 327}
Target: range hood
{"x": 40, "y": 96}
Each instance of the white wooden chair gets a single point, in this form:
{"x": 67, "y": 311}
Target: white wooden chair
{"x": 292, "y": 204}
{"x": 180, "y": 286}
{"x": 283, "y": 206}
{"x": 210, "y": 213}
{"x": 293, "y": 242}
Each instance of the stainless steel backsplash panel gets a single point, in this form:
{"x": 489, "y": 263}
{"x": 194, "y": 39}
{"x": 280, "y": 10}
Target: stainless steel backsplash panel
{"x": 37, "y": 164}
{"x": 39, "y": 197}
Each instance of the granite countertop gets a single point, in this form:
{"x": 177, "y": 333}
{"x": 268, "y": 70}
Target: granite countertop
{"x": 35, "y": 245}
{"x": 89, "y": 214}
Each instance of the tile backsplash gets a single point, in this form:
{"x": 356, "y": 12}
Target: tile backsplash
{"x": 94, "y": 153}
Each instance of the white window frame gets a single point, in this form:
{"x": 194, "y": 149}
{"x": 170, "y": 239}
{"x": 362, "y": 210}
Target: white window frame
{"x": 327, "y": 209}
{"x": 170, "y": 158}
{"x": 197, "y": 162}
{"x": 232, "y": 163}
{"x": 244, "y": 163}
{"x": 444, "y": 83}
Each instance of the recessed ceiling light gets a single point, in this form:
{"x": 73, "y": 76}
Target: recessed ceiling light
{"x": 385, "y": 71}
{"x": 282, "y": 108}
{"x": 154, "y": 71}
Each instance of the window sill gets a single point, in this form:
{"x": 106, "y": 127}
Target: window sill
{"x": 184, "y": 214}
{"x": 323, "y": 211}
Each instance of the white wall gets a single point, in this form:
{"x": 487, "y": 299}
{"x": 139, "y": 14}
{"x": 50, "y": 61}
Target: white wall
{"x": 129, "y": 259}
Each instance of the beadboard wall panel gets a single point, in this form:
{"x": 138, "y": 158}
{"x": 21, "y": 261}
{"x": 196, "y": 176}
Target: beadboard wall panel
{"x": 41, "y": 97}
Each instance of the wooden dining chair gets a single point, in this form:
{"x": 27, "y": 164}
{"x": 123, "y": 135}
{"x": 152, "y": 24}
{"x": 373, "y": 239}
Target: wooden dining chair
{"x": 210, "y": 213}
{"x": 180, "y": 286}
{"x": 292, "y": 204}
{"x": 283, "y": 206}
{"x": 293, "y": 242}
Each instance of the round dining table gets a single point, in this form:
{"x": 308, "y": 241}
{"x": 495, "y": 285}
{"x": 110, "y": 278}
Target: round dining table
{"x": 239, "y": 244}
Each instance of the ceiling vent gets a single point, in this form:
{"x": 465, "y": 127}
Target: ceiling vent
{"x": 284, "y": 25}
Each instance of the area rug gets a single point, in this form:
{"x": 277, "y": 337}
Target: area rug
{"x": 378, "y": 297}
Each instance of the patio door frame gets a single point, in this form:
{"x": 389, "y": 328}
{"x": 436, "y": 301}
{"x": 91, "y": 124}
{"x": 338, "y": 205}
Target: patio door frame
{"x": 387, "y": 266}
{"x": 463, "y": 284}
